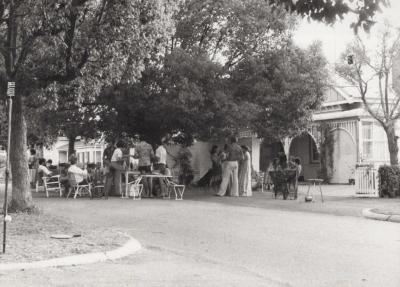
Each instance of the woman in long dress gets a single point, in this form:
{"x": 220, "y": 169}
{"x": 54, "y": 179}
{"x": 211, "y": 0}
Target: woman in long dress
{"x": 245, "y": 173}
{"x": 222, "y": 158}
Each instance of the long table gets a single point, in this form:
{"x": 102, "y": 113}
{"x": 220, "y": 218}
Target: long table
{"x": 139, "y": 177}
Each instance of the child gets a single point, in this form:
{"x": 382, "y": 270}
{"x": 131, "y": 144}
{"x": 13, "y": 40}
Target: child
{"x": 98, "y": 178}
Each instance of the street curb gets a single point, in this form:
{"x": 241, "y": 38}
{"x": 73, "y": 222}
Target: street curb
{"x": 130, "y": 247}
{"x": 368, "y": 213}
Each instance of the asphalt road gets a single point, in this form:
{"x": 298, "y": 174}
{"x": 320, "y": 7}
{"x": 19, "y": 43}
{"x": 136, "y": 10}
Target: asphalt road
{"x": 211, "y": 243}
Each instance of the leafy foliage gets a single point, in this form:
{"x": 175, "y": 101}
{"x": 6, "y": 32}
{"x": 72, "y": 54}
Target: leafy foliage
{"x": 229, "y": 66}
{"x": 285, "y": 85}
{"x": 329, "y": 11}
{"x": 186, "y": 97}
{"x": 230, "y": 30}
{"x": 389, "y": 180}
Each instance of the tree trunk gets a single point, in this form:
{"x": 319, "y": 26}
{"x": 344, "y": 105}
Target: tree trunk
{"x": 71, "y": 145}
{"x": 21, "y": 193}
{"x": 392, "y": 144}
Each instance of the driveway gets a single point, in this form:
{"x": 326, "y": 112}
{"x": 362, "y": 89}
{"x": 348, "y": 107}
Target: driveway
{"x": 212, "y": 241}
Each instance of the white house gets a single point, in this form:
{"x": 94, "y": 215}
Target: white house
{"x": 354, "y": 138}
{"x": 86, "y": 152}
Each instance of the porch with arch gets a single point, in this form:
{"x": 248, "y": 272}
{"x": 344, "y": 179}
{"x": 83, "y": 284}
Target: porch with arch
{"x": 340, "y": 152}
{"x": 306, "y": 148}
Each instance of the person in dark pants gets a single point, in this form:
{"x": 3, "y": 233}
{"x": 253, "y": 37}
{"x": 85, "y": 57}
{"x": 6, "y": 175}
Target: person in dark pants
{"x": 64, "y": 178}
{"x": 117, "y": 165}
{"x": 144, "y": 152}
{"x": 107, "y": 154}
{"x": 234, "y": 155}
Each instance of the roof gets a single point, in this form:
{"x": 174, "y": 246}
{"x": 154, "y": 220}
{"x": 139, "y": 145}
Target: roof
{"x": 360, "y": 112}
{"x": 79, "y": 145}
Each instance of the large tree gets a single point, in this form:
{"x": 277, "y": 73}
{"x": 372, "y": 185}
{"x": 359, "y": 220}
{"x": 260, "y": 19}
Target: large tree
{"x": 188, "y": 96}
{"x": 370, "y": 70}
{"x": 85, "y": 43}
{"x": 286, "y": 86}
{"x": 228, "y": 66}
{"x": 187, "y": 90}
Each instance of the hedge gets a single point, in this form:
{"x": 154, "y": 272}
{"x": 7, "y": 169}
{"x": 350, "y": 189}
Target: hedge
{"x": 389, "y": 181}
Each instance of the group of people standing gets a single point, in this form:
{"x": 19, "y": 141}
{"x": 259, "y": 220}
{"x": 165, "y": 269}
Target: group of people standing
{"x": 116, "y": 159}
{"x": 231, "y": 170}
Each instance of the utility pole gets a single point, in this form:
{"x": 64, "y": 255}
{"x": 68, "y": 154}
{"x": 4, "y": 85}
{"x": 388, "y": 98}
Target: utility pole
{"x": 10, "y": 95}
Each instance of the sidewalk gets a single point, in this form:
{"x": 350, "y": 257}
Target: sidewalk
{"x": 339, "y": 200}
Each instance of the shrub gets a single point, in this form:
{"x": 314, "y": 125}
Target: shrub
{"x": 389, "y": 180}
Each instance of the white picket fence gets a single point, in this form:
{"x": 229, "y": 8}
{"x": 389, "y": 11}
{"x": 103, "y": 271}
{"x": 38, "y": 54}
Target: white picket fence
{"x": 366, "y": 181}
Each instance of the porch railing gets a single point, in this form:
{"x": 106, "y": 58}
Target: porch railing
{"x": 366, "y": 181}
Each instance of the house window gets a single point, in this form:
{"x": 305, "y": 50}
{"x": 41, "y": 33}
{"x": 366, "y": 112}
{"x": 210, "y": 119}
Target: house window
{"x": 367, "y": 131}
{"x": 87, "y": 157}
{"x": 80, "y": 157}
{"x": 98, "y": 156}
{"x": 314, "y": 154}
{"x": 62, "y": 156}
{"x": 380, "y": 148}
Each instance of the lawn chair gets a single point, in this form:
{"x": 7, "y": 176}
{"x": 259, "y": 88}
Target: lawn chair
{"x": 78, "y": 186}
{"x": 49, "y": 183}
{"x": 97, "y": 184}
{"x": 178, "y": 189}
{"x": 135, "y": 189}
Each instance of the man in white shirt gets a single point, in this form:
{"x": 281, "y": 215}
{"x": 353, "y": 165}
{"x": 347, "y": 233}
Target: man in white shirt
{"x": 161, "y": 157}
{"x": 117, "y": 165}
{"x": 42, "y": 169}
{"x": 74, "y": 175}
{"x": 78, "y": 173}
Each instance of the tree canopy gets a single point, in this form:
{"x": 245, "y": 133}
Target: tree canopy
{"x": 228, "y": 67}
{"x": 329, "y": 11}
{"x": 285, "y": 86}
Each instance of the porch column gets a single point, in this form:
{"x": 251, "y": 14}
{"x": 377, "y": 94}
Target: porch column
{"x": 359, "y": 141}
{"x": 255, "y": 153}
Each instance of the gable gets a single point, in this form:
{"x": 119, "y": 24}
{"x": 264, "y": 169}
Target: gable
{"x": 332, "y": 95}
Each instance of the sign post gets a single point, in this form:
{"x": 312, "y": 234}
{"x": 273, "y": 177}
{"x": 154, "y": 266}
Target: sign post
{"x": 10, "y": 95}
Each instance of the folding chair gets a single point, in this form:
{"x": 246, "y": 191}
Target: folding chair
{"x": 135, "y": 189}
{"x": 178, "y": 189}
{"x": 79, "y": 188}
{"x": 49, "y": 183}
{"x": 52, "y": 183}
{"x": 97, "y": 189}
{"x": 97, "y": 184}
